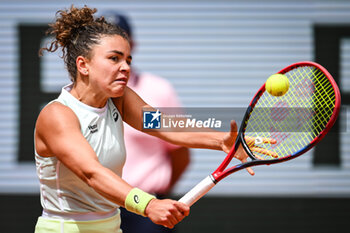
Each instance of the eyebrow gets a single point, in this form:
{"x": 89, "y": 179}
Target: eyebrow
{"x": 120, "y": 53}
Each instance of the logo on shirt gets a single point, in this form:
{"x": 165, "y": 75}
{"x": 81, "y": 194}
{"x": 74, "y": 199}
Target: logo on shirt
{"x": 93, "y": 128}
{"x": 115, "y": 115}
{"x": 152, "y": 119}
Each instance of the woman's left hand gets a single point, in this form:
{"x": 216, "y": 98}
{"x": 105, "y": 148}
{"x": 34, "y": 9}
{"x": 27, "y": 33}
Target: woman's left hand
{"x": 229, "y": 140}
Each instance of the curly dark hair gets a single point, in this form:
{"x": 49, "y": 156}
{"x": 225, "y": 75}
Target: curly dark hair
{"x": 76, "y": 31}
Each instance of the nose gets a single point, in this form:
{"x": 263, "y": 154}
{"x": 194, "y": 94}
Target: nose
{"x": 125, "y": 67}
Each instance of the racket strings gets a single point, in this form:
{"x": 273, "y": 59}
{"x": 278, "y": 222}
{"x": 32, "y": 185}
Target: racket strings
{"x": 325, "y": 96}
{"x": 294, "y": 119}
{"x": 322, "y": 97}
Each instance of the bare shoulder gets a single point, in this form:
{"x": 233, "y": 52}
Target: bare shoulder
{"x": 55, "y": 115}
{"x": 55, "y": 121}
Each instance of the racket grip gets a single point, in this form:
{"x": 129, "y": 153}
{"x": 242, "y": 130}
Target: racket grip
{"x": 198, "y": 191}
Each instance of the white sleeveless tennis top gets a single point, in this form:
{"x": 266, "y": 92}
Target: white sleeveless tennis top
{"x": 60, "y": 189}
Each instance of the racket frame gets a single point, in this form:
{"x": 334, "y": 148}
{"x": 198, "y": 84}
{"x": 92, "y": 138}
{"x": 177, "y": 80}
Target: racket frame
{"x": 221, "y": 172}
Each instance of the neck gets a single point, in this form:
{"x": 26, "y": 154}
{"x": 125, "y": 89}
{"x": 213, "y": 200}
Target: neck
{"x": 85, "y": 94}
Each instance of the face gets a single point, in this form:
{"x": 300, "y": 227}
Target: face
{"x": 109, "y": 66}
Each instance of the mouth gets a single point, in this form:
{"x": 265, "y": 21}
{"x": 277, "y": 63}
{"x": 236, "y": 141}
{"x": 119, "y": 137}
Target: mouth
{"x": 122, "y": 80}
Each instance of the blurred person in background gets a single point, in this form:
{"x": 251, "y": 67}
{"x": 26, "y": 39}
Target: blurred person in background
{"x": 152, "y": 164}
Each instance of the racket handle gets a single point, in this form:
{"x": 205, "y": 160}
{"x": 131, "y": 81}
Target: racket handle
{"x": 198, "y": 191}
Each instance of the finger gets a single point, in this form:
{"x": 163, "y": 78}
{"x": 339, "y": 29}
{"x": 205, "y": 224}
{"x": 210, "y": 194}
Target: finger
{"x": 178, "y": 217}
{"x": 259, "y": 157}
{"x": 269, "y": 140}
{"x": 183, "y": 208}
{"x": 169, "y": 221}
{"x": 168, "y": 225}
{"x": 249, "y": 169}
{"x": 233, "y": 125}
{"x": 173, "y": 221}
{"x": 264, "y": 151}
{"x": 251, "y": 140}
{"x": 181, "y": 211}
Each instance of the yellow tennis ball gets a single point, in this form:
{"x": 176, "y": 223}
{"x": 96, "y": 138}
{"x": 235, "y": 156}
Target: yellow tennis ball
{"x": 277, "y": 84}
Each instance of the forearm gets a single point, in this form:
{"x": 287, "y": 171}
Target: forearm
{"x": 161, "y": 212}
{"x": 132, "y": 115}
{"x": 109, "y": 185}
{"x": 180, "y": 159}
{"x": 203, "y": 140}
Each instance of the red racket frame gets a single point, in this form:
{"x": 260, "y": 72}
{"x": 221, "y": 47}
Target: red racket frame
{"x": 221, "y": 173}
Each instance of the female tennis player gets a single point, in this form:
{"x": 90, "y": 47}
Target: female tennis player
{"x": 79, "y": 146}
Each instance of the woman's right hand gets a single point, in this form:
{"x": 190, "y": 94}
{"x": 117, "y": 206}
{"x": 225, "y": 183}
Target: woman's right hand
{"x": 166, "y": 212}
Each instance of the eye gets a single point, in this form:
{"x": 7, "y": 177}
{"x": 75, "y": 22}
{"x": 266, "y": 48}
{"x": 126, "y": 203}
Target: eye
{"x": 114, "y": 58}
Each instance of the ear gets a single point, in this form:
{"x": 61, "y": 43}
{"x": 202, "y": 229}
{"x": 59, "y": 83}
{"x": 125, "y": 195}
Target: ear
{"x": 82, "y": 67}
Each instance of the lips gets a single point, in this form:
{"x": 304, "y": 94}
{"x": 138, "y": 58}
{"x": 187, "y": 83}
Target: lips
{"x": 122, "y": 80}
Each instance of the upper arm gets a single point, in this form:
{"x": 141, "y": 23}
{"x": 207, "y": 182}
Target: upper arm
{"x": 58, "y": 134}
{"x": 132, "y": 106}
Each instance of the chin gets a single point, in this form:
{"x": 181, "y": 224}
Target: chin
{"x": 118, "y": 93}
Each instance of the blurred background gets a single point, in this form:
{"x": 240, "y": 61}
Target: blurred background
{"x": 216, "y": 54}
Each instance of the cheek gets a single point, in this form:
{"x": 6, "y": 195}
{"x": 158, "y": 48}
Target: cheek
{"x": 103, "y": 72}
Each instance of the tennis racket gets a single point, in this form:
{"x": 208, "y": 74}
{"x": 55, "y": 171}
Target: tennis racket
{"x": 283, "y": 127}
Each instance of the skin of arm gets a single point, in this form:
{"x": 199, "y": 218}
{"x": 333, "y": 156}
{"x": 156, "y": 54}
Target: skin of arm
{"x": 180, "y": 158}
